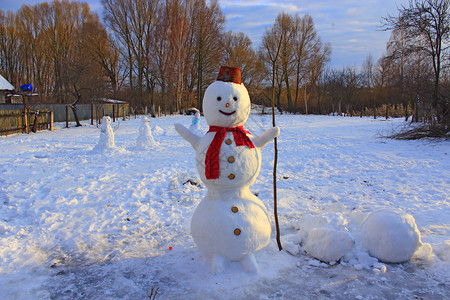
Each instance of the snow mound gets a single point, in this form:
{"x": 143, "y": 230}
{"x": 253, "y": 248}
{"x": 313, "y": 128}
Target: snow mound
{"x": 325, "y": 238}
{"x": 145, "y": 142}
{"x": 158, "y": 130}
{"x": 309, "y": 222}
{"x": 442, "y": 250}
{"x": 183, "y": 188}
{"x": 327, "y": 244}
{"x": 391, "y": 236}
{"x": 359, "y": 239}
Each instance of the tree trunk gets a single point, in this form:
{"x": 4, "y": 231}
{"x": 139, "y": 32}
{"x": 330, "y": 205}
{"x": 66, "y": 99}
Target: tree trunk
{"x": 297, "y": 83}
{"x": 74, "y": 106}
{"x": 319, "y": 101}
{"x": 288, "y": 92}
{"x": 306, "y": 101}
{"x": 75, "y": 114}
{"x": 200, "y": 78}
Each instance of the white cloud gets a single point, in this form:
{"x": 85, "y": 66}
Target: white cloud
{"x": 348, "y": 25}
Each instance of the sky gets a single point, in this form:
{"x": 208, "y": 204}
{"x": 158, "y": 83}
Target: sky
{"x": 352, "y": 27}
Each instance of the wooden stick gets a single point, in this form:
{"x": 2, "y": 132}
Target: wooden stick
{"x": 275, "y": 209}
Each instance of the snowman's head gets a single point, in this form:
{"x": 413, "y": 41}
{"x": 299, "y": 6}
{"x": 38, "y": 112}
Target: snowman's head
{"x": 144, "y": 120}
{"x": 106, "y": 120}
{"x": 226, "y": 103}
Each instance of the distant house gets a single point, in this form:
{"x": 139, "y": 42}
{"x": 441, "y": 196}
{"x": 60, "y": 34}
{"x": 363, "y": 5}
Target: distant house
{"x": 6, "y": 89}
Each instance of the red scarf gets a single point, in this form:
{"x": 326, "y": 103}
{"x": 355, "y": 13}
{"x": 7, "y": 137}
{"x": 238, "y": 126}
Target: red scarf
{"x": 212, "y": 155}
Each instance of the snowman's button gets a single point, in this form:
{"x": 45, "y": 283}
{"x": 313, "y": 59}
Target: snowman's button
{"x": 231, "y": 159}
{"x": 237, "y": 231}
{"x": 234, "y": 209}
{"x": 231, "y": 176}
{"x": 228, "y": 142}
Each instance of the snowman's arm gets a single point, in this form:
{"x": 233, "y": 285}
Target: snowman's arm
{"x": 188, "y": 135}
{"x": 266, "y": 137}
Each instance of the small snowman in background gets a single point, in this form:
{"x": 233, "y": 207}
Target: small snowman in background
{"x": 145, "y": 139}
{"x": 195, "y": 126}
{"x": 230, "y": 223}
{"x": 106, "y": 135}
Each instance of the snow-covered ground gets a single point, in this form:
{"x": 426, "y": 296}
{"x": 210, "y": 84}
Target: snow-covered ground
{"x": 82, "y": 223}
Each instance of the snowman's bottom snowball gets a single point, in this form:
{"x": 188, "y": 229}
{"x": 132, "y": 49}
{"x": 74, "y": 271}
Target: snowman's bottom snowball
{"x": 233, "y": 234}
{"x": 145, "y": 141}
{"x": 391, "y": 236}
{"x": 106, "y": 141}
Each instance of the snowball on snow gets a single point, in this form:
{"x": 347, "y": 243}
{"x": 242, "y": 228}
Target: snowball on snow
{"x": 327, "y": 244}
{"x": 391, "y": 236}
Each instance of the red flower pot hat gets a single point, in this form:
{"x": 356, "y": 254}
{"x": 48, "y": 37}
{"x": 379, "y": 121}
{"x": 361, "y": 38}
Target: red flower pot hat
{"x": 229, "y": 74}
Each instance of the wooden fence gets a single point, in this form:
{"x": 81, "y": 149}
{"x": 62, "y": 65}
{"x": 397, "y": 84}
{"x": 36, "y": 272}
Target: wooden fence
{"x": 19, "y": 120}
{"x": 84, "y": 111}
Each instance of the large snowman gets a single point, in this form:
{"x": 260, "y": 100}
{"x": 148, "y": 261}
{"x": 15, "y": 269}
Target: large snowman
{"x": 230, "y": 223}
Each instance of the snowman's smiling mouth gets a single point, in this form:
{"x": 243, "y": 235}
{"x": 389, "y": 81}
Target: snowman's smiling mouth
{"x": 227, "y": 113}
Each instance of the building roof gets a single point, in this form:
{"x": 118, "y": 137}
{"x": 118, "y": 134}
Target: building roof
{"x": 5, "y": 85}
{"x": 106, "y": 100}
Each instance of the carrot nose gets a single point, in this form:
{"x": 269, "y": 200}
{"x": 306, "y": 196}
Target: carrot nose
{"x": 227, "y": 105}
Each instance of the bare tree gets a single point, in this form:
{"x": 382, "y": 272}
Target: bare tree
{"x": 103, "y": 51}
{"x": 83, "y": 75}
{"x": 209, "y": 22}
{"x": 305, "y": 39}
{"x": 302, "y": 57}
{"x": 429, "y": 22}
{"x": 268, "y": 53}
{"x": 284, "y": 26}
{"x": 160, "y": 55}
{"x": 63, "y": 21}
{"x": 9, "y": 43}
{"x": 36, "y": 67}
{"x": 238, "y": 52}
{"x": 317, "y": 61}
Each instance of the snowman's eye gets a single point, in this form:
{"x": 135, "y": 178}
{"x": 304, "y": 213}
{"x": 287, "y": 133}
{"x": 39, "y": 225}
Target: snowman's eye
{"x": 235, "y": 98}
{"x": 219, "y": 98}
